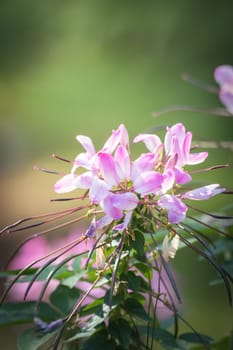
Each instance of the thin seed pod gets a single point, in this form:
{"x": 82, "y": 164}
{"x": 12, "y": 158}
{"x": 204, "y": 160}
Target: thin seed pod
{"x": 225, "y": 275}
{"x": 78, "y": 305}
{"x": 209, "y": 226}
{"x": 26, "y": 268}
{"x": 215, "y": 216}
{"x": 199, "y": 239}
{"x": 116, "y": 265}
{"x": 199, "y": 84}
{"x": 19, "y": 222}
{"x": 51, "y": 274}
{"x": 213, "y": 111}
{"x": 216, "y": 167}
{"x": 42, "y": 233}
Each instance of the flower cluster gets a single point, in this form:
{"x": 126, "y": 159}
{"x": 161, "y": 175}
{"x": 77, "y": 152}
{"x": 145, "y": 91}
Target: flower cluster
{"x": 118, "y": 184}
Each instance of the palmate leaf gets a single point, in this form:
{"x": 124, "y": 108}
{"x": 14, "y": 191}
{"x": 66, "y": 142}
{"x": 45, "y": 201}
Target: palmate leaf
{"x": 20, "y": 313}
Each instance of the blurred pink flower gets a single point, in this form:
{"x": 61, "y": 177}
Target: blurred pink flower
{"x": 38, "y": 248}
{"x": 224, "y": 77}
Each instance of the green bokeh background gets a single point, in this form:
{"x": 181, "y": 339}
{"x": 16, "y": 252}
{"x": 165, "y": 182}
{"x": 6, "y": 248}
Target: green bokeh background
{"x": 84, "y": 67}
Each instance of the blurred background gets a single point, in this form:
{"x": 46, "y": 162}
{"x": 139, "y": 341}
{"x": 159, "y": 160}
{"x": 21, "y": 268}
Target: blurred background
{"x": 84, "y": 67}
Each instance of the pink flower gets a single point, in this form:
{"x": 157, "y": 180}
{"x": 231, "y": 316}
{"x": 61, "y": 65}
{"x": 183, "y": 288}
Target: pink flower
{"x": 178, "y": 142}
{"x": 177, "y": 209}
{"x": 224, "y": 77}
{"x": 117, "y": 184}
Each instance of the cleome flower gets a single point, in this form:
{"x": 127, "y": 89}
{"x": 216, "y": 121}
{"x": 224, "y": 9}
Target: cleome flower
{"x": 118, "y": 185}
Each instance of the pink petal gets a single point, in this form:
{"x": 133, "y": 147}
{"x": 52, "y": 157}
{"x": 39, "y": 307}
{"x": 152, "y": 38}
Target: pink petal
{"x": 83, "y": 181}
{"x": 224, "y": 74}
{"x": 98, "y": 190}
{"x": 226, "y": 97}
{"x": 168, "y": 182}
{"x": 125, "y": 201}
{"x": 108, "y": 169}
{"x": 148, "y": 182}
{"x": 125, "y": 223}
{"x": 175, "y": 207}
{"x": 87, "y": 144}
{"x": 187, "y": 144}
{"x": 104, "y": 221}
{"x": 181, "y": 176}
{"x": 122, "y": 163}
{"x": 118, "y": 137}
{"x": 151, "y": 141}
{"x": 196, "y": 158}
{"x": 204, "y": 192}
{"x": 177, "y": 130}
{"x": 82, "y": 160}
{"x": 65, "y": 184}
{"x": 110, "y": 209}
{"x": 144, "y": 163}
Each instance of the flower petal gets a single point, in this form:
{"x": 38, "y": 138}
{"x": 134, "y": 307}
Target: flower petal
{"x": 108, "y": 169}
{"x": 181, "y": 176}
{"x": 110, "y": 209}
{"x": 125, "y": 201}
{"x": 148, "y": 182}
{"x": 98, "y": 190}
{"x": 151, "y": 141}
{"x": 204, "y": 192}
{"x": 87, "y": 144}
{"x": 122, "y": 163}
{"x": 196, "y": 158}
{"x": 175, "y": 207}
{"x": 143, "y": 163}
{"x": 226, "y": 97}
{"x": 224, "y": 74}
{"x": 65, "y": 184}
{"x": 118, "y": 137}
{"x": 125, "y": 223}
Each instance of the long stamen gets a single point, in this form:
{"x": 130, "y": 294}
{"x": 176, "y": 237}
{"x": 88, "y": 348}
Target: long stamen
{"x": 61, "y": 158}
{"x": 36, "y": 167}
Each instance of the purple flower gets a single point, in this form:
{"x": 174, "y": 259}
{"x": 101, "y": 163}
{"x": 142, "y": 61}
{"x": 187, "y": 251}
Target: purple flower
{"x": 224, "y": 77}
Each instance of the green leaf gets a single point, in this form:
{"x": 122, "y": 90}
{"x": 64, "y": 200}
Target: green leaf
{"x": 31, "y": 339}
{"x": 120, "y": 329}
{"x": 19, "y": 313}
{"x": 144, "y": 269}
{"x": 138, "y": 243}
{"x": 64, "y": 298}
{"x": 72, "y": 280}
{"x": 92, "y": 307}
{"x": 162, "y": 336}
{"x": 196, "y": 338}
{"x": 99, "y": 341}
{"x": 136, "y": 309}
{"x": 15, "y": 272}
